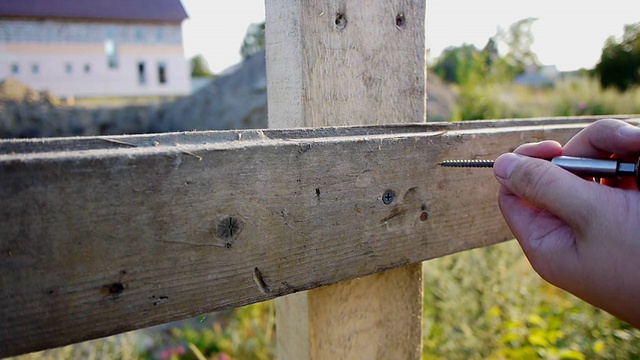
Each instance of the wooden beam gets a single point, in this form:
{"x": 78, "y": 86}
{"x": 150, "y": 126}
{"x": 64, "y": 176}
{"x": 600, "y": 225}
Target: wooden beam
{"x": 346, "y": 62}
{"x": 108, "y": 234}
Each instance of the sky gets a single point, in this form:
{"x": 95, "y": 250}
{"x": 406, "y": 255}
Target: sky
{"x": 568, "y": 34}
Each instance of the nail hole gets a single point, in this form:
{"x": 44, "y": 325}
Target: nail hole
{"x": 341, "y": 21}
{"x": 116, "y": 288}
{"x": 400, "y": 20}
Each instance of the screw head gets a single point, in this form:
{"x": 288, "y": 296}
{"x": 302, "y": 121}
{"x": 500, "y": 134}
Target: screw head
{"x": 388, "y": 196}
{"x": 229, "y": 227}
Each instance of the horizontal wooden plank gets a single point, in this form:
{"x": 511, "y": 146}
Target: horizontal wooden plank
{"x": 107, "y": 234}
{"x": 29, "y": 146}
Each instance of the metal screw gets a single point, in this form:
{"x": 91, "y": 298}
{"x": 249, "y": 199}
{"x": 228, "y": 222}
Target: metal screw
{"x": 388, "y": 196}
{"x": 467, "y": 163}
{"x": 229, "y": 227}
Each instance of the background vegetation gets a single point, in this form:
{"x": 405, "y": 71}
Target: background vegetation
{"x": 483, "y": 79}
{"x": 480, "y": 304}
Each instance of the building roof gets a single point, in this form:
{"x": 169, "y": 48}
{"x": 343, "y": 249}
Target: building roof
{"x": 101, "y": 10}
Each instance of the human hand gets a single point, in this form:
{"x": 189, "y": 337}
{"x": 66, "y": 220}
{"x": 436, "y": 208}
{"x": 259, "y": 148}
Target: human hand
{"x": 579, "y": 235}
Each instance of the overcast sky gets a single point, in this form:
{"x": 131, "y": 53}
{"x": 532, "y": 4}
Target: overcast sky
{"x": 568, "y": 34}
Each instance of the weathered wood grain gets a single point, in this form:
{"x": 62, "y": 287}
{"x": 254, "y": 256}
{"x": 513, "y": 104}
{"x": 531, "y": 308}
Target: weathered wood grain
{"x": 346, "y": 62}
{"x": 103, "y": 239}
{"x": 340, "y": 62}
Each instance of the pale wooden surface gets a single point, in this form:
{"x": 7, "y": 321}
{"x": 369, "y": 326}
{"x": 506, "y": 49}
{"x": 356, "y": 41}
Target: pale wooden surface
{"x": 371, "y": 71}
{"x": 348, "y": 62}
{"x": 120, "y": 233}
{"x": 375, "y": 317}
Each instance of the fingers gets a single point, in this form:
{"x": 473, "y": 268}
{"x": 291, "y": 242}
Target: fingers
{"x": 547, "y": 241}
{"x": 604, "y": 138}
{"x": 547, "y": 186}
{"x": 543, "y": 150}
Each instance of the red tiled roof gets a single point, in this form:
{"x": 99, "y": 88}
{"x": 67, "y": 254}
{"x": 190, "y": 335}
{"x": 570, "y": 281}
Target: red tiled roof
{"x": 105, "y": 10}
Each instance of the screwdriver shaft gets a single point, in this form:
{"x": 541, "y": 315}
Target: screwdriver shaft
{"x": 601, "y": 168}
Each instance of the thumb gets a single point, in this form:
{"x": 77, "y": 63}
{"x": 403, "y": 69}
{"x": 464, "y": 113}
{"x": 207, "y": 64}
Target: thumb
{"x": 547, "y": 186}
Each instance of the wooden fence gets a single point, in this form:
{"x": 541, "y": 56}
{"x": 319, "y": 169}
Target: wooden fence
{"x": 103, "y": 235}
{"x": 107, "y": 234}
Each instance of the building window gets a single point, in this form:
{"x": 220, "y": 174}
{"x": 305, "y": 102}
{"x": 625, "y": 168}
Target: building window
{"x": 68, "y": 68}
{"x": 162, "y": 73}
{"x": 141, "y": 76}
{"x": 159, "y": 35}
{"x": 87, "y": 68}
{"x": 35, "y": 69}
{"x": 15, "y": 68}
{"x": 139, "y": 35}
{"x": 111, "y": 50}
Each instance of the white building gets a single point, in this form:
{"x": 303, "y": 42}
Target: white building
{"x": 95, "y": 48}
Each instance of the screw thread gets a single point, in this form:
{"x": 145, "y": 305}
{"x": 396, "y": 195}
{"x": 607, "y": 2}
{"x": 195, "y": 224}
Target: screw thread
{"x": 467, "y": 163}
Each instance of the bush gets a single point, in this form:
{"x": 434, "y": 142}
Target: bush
{"x": 571, "y": 97}
{"x": 488, "y": 303}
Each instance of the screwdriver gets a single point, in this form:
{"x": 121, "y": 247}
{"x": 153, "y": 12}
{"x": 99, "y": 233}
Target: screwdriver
{"x": 597, "y": 168}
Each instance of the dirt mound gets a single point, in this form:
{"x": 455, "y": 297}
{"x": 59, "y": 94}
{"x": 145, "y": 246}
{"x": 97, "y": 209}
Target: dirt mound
{"x": 26, "y": 113}
{"x": 15, "y": 91}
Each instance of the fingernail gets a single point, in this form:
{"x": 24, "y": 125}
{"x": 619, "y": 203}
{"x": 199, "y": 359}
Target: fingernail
{"x": 629, "y": 131}
{"x": 504, "y": 165}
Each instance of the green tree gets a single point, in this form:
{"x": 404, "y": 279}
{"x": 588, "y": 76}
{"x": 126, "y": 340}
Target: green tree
{"x": 519, "y": 39}
{"x": 200, "y": 67}
{"x": 253, "y": 40}
{"x": 619, "y": 64}
{"x": 478, "y": 72}
{"x": 459, "y": 64}
{"x": 467, "y": 65}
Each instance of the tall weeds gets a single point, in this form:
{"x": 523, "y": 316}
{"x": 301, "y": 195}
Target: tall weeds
{"x": 570, "y": 97}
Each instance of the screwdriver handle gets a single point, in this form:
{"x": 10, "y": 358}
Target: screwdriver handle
{"x": 599, "y": 168}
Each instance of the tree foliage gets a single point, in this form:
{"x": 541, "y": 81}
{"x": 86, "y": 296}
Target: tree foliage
{"x": 475, "y": 71}
{"x": 619, "y": 64}
{"x": 253, "y": 40}
{"x": 467, "y": 65}
{"x": 458, "y": 64}
{"x": 200, "y": 67}
{"x": 519, "y": 39}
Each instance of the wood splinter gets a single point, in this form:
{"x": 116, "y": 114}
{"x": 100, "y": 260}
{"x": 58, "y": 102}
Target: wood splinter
{"x": 262, "y": 285}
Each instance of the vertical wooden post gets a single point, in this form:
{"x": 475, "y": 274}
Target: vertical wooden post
{"x": 348, "y": 62}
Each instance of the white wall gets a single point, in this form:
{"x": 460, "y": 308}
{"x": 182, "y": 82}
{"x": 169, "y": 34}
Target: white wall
{"x": 52, "y": 45}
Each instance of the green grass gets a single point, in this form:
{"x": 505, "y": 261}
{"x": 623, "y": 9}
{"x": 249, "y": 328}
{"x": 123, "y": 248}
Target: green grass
{"x": 572, "y": 97}
{"x": 489, "y": 304}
